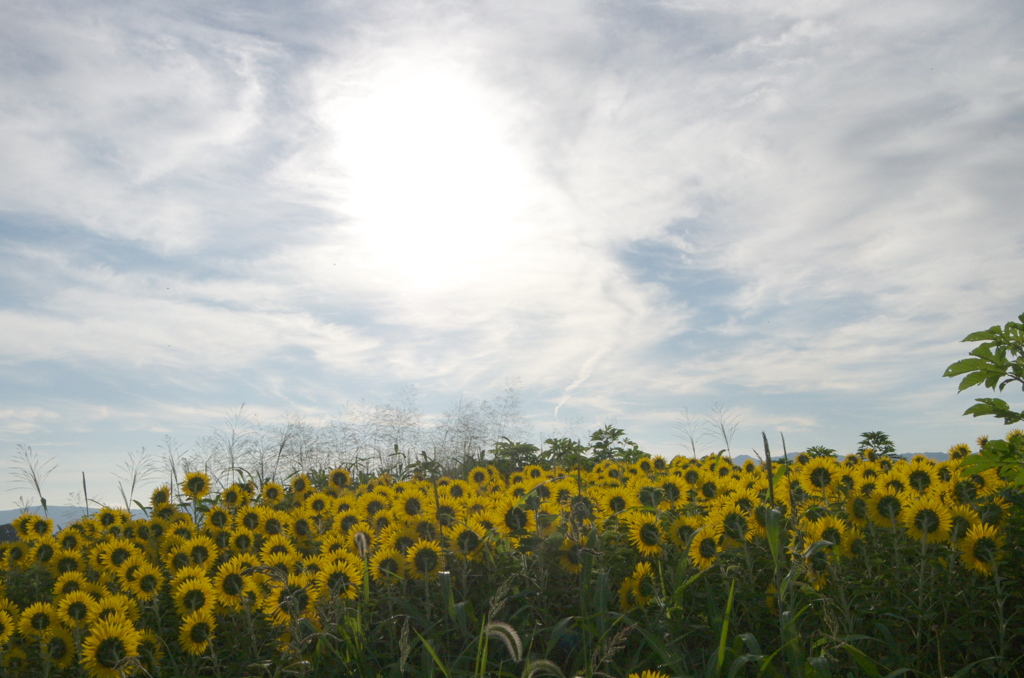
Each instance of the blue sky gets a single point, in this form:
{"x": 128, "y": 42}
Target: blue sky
{"x": 626, "y": 208}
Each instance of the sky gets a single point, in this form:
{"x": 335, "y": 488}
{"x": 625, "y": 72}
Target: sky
{"x": 626, "y": 209}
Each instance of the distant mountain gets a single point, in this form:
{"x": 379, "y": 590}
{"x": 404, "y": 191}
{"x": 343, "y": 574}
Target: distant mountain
{"x": 61, "y": 515}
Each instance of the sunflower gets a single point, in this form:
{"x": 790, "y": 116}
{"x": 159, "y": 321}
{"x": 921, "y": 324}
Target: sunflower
{"x": 411, "y": 505}
{"x": 109, "y": 517}
{"x": 60, "y": 648}
{"x": 37, "y": 620}
{"x": 569, "y": 557}
{"x": 963, "y": 519}
{"x": 447, "y": 512}
{"x": 196, "y": 485}
{"x": 466, "y": 539}
{"x": 109, "y": 644}
{"x": 23, "y": 525}
{"x": 921, "y": 476}
{"x": 645, "y": 492}
{"x": 981, "y": 548}
{"x": 42, "y": 551}
{"x": 563, "y": 490}
{"x": 707, "y": 488}
{"x": 231, "y": 584}
{"x": 115, "y": 552}
{"x": 819, "y": 476}
{"x": 339, "y": 478}
{"x": 202, "y": 551}
{"x": 6, "y": 626}
{"x": 73, "y": 608}
{"x": 424, "y": 559}
{"x": 927, "y": 518}
{"x": 219, "y": 518}
{"x": 70, "y": 539}
{"x": 988, "y": 482}
{"x": 387, "y": 565}
{"x": 853, "y": 544}
{"x": 129, "y": 569}
{"x": 627, "y": 594}
{"x": 344, "y": 521}
{"x": 885, "y": 507}
{"x": 242, "y": 540}
{"x": 301, "y": 485}
{"x": 161, "y": 496}
{"x": 612, "y": 501}
{"x": 39, "y": 526}
{"x": 458, "y": 489}
{"x": 512, "y": 519}
{"x": 147, "y": 581}
{"x": 177, "y": 558}
{"x": 993, "y": 510}
{"x": 192, "y": 594}
{"x": 643, "y": 584}
{"x": 340, "y": 579}
{"x": 235, "y": 496}
{"x": 289, "y": 600}
{"x": 372, "y": 503}
{"x": 962, "y": 489}
{"x": 704, "y": 545}
{"x": 682, "y": 528}
{"x": 830, "y": 529}
{"x": 69, "y": 581}
{"x": 301, "y": 525}
{"x": 272, "y": 521}
{"x": 197, "y": 631}
{"x": 644, "y": 534}
{"x": 735, "y": 523}
{"x": 361, "y": 539}
{"x": 649, "y": 674}
{"x": 66, "y": 560}
{"x": 151, "y": 651}
{"x": 193, "y": 571}
{"x": 893, "y": 480}
{"x": 15, "y": 556}
{"x": 113, "y": 604}
{"x": 318, "y": 504}
{"x": 398, "y": 537}
{"x": 857, "y": 510}
{"x": 479, "y": 476}
{"x": 271, "y": 493}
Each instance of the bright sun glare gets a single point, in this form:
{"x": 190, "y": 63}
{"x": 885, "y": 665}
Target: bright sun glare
{"x": 435, "y": 190}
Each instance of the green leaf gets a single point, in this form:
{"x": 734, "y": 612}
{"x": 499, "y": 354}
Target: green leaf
{"x": 980, "y": 410}
{"x": 970, "y": 380}
{"x": 865, "y": 663}
{"x": 984, "y": 335}
{"x": 975, "y": 464}
{"x": 965, "y": 365}
{"x": 437, "y": 660}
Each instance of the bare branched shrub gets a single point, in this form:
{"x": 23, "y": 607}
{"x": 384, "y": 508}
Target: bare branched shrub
{"x": 30, "y": 472}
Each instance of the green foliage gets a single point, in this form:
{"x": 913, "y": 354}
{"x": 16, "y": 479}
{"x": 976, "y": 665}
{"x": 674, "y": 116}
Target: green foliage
{"x": 610, "y": 443}
{"x": 513, "y": 456}
{"x": 819, "y": 451}
{"x": 995, "y": 363}
{"x": 877, "y": 441}
{"x": 565, "y": 452}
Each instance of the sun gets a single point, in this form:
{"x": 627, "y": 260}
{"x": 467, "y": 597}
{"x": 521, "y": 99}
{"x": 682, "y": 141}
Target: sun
{"x": 432, "y": 184}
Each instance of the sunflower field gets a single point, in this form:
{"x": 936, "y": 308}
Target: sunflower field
{"x": 816, "y": 566}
